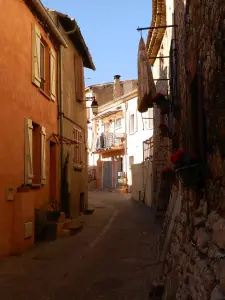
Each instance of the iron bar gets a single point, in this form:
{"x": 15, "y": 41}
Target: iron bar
{"x": 86, "y": 99}
{"x": 154, "y": 57}
{"x": 155, "y": 27}
{"x": 161, "y": 79}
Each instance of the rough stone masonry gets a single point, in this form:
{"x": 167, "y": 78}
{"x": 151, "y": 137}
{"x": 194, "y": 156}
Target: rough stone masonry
{"x": 195, "y": 264}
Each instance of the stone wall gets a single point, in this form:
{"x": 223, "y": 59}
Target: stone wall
{"x": 195, "y": 263}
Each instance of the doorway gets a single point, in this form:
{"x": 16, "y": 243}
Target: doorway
{"x": 52, "y": 172}
{"x": 120, "y": 173}
{"x": 107, "y": 175}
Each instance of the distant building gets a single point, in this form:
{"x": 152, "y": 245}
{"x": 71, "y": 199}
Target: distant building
{"x": 116, "y": 136}
{"x": 29, "y": 121}
{"x": 73, "y": 116}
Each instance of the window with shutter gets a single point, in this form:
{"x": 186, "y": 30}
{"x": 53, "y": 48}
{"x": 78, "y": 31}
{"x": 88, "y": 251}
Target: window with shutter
{"x": 36, "y": 62}
{"x": 44, "y": 64}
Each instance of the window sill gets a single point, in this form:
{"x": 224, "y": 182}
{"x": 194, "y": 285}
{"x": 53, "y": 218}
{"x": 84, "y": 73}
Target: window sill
{"x": 78, "y": 168}
{"x": 44, "y": 94}
{"x": 27, "y": 188}
{"x": 23, "y": 189}
{"x": 36, "y": 186}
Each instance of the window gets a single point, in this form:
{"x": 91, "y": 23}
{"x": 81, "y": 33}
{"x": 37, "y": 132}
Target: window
{"x": 106, "y": 128}
{"x": 132, "y": 120}
{"x": 118, "y": 123}
{"x": 43, "y": 64}
{"x": 35, "y": 153}
{"x": 148, "y": 119}
{"x": 77, "y": 155}
{"x": 131, "y": 161}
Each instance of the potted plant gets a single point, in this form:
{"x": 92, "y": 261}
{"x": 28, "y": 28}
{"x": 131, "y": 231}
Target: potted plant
{"x": 168, "y": 174}
{"x": 187, "y": 167}
{"x": 53, "y": 212}
{"x": 162, "y": 103}
{"x": 163, "y": 130}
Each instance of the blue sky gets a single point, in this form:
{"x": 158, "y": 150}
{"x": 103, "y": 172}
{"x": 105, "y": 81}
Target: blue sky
{"x": 109, "y": 29}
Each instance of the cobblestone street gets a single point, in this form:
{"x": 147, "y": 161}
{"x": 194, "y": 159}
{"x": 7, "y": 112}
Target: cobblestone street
{"x": 110, "y": 259}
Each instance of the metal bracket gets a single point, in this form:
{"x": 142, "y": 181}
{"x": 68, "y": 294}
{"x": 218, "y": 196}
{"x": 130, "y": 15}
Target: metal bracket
{"x": 161, "y": 79}
{"x": 155, "y": 27}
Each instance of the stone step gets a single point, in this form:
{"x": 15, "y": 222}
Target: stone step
{"x": 88, "y": 211}
{"x": 67, "y": 223}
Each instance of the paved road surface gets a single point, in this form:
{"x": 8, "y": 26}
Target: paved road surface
{"x": 109, "y": 260}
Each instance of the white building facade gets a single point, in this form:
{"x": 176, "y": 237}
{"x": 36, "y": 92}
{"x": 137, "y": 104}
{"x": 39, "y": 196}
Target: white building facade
{"x": 120, "y": 120}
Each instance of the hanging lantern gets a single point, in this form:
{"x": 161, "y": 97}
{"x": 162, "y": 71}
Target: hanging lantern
{"x": 94, "y": 107}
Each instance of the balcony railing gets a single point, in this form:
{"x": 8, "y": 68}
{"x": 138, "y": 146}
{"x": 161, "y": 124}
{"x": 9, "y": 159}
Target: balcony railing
{"x": 110, "y": 140}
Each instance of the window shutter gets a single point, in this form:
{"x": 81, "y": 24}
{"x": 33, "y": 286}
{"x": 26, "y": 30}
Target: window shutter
{"x": 28, "y": 159}
{"x": 79, "y": 78}
{"x": 43, "y": 155}
{"x": 52, "y": 74}
{"x": 80, "y": 147}
{"x": 135, "y": 122}
{"x": 36, "y": 56}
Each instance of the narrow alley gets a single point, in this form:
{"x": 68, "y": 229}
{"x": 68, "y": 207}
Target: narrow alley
{"x": 111, "y": 258}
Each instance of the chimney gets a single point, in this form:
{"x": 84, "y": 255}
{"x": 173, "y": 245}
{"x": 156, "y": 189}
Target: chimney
{"x": 117, "y": 87}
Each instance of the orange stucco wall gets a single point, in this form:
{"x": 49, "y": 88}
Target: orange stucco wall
{"x": 20, "y": 99}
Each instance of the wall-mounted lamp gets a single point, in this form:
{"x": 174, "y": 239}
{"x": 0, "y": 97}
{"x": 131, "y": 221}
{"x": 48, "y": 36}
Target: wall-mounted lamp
{"x": 94, "y": 104}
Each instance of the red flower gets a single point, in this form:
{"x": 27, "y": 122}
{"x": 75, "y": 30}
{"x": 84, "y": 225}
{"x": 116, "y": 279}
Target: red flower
{"x": 162, "y": 125}
{"x": 157, "y": 96}
{"x": 167, "y": 170}
{"x": 173, "y": 158}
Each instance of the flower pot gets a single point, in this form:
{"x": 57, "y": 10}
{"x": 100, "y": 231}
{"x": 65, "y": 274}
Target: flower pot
{"x": 164, "y": 107}
{"x": 190, "y": 175}
{"x": 162, "y": 103}
{"x": 51, "y": 231}
{"x": 169, "y": 176}
{"x": 53, "y": 216}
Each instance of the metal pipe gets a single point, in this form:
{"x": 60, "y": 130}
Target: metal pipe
{"x": 160, "y": 78}
{"x": 154, "y": 57}
{"x": 61, "y": 118}
{"x": 126, "y": 156}
{"x": 155, "y": 27}
{"x": 43, "y": 12}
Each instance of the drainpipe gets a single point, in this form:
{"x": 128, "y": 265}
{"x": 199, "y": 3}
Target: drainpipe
{"x": 61, "y": 113}
{"x": 126, "y": 163}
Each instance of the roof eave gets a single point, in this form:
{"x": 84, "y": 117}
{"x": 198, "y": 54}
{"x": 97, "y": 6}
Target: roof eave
{"x": 155, "y": 36}
{"x": 89, "y": 64}
{"x": 46, "y": 17}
